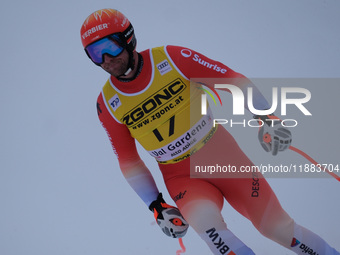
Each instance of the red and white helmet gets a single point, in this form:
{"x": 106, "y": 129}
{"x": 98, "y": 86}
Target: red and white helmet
{"x": 105, "y": 22}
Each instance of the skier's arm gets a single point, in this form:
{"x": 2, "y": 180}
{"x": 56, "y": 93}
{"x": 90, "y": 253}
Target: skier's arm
{"x": 138, "y": 175}
{"x": 133, "y": 168}
{"x": 198, "y": 67}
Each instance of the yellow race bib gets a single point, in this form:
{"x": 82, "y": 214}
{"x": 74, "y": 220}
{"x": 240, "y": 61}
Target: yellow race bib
{"x": 160, "y": 116}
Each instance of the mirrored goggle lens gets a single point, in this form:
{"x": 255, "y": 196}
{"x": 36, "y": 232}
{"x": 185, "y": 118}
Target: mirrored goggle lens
{"x": 104, "y": 46}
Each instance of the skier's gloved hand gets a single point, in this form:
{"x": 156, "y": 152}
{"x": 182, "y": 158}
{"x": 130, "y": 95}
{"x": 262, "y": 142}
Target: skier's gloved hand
{"x": 272, "y": 135}
{"x": 168, "y": 218}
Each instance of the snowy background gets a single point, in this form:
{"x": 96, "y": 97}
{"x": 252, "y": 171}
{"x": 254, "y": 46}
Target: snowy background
{"x": 61, "y": 191}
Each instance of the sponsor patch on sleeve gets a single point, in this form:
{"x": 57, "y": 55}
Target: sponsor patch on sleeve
{"x": 164, "y": 67}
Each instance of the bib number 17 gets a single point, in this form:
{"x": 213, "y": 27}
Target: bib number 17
{"x": 171, "y": 129}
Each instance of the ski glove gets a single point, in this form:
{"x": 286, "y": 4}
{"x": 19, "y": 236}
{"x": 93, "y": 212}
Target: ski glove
{"x": 272, "y": 135}
{"x": 168, "y": 218}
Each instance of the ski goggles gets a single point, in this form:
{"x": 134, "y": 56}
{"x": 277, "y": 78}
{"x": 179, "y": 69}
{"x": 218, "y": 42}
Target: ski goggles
{"x": 110, "y": 45}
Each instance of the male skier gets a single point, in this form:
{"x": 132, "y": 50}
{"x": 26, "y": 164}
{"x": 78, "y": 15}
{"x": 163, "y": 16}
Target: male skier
{"x": 147, "y": 98}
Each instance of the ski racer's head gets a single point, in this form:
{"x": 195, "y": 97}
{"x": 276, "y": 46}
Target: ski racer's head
{"x": 106, "y": 35}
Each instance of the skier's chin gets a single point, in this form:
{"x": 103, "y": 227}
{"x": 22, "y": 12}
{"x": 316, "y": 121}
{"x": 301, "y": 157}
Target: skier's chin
{"x": 115, "y": 69}
{"x": 115, "y": 72}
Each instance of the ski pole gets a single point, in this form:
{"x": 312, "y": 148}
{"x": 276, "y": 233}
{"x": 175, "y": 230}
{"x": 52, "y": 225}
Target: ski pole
{"x": 178, "y": 252}
{"x": 267, "y": 139}
{"x": 310, "y": 159}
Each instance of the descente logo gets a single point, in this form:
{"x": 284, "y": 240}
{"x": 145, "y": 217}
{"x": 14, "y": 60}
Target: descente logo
{"x": 187, "y": 53}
